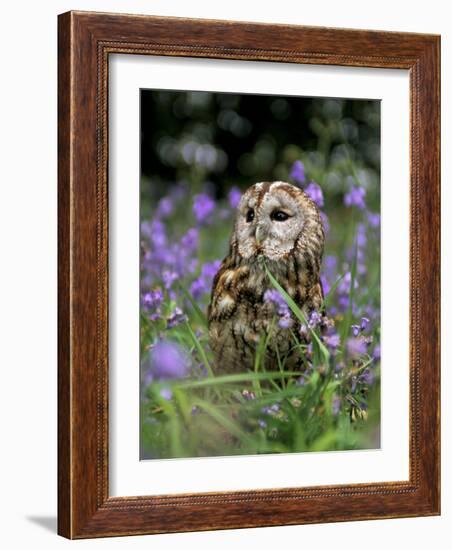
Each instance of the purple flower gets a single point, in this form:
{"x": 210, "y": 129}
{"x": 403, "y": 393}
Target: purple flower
{"x": 152, "y": 299}
{"x": 168, "y": 278}
{"x": 234, "y": 197}
{"x": 374, "y": 219}
{"x": 297, "y": 172}
{"x": 209, "y": 270}
{"x": 151, "y": 302}
{"x": 203, "y": 206}
{"x": 361, "y": 237}
{"x": 356, "y": 347}
{"x": 176, "y": 318}
{"x": 364, "y": 323}
{"x": 366, "y": 377}
{"x": 157, "y": 233}
{"x": 325, "y": 284}
{"x": 190, "y": 239}
{"x": 325, "y": 221}
{"x": 330, "y": 263}
{"x": 355, "y": 197}
{"x": 332, "y": 341}
{"x": 198, "y": 288}
{"x": 356, "y": 329}
{"x": 271, "y": 409}
{"x": 272, "y": 296}
{"x": 262, "y": 424}
{"x": 203, "y": 283}
{"x": 376, "y": 353}
{"x": 314, "y": 192}
{"x": 314, "y": 318}
{"x": 285, "y": 322}
{"x": 345, "y": 285}
{"x": 165, "y": 207}
{"x": 248, "y": 395}
{"x": 167, "y": 360}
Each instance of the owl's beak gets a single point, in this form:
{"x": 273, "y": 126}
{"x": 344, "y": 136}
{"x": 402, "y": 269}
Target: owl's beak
{"x": 260, "y": 235}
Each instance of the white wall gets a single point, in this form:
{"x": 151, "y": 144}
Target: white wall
{"x": 28, "y": 269}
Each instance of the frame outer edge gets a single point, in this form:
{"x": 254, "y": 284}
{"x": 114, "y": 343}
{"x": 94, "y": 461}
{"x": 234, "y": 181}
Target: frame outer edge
{"x": 82, "y": 511}
{"x": 433, "y": 167}
{"x": 64, "y": 292}
{"x": 426, "y": 273}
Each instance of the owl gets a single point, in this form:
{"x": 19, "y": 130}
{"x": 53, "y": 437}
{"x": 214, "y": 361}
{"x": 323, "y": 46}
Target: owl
{"x": 277, "y": 227}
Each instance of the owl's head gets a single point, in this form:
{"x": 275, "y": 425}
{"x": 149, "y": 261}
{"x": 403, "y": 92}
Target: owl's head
{"x": 274, "y": 219}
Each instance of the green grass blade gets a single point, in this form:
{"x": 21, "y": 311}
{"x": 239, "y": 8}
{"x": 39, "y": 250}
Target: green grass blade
{"x": 236, "y": 379}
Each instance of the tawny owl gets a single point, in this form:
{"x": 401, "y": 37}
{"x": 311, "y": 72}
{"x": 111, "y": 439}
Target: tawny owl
{"x": 279, "y": 227}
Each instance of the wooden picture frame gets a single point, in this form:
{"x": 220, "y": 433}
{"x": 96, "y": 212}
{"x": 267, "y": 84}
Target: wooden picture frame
{"x": 85, "y": 42}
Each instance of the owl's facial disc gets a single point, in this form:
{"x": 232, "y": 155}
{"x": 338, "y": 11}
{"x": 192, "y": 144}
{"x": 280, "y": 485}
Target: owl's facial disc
{"x": 269, "y": 221}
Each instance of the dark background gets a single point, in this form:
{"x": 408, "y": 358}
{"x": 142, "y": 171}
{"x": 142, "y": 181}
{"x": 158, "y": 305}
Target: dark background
{"x": 237, "y": 139}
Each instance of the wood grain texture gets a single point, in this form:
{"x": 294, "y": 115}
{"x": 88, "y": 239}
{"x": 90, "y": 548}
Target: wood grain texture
{"x": 85, "y": 42}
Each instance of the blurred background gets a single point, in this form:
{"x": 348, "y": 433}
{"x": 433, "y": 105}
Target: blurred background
{"x": 239, "y": 139}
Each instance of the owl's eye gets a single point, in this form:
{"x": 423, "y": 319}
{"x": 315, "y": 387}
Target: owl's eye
{"x": 279, "y": 216}
{"x": 250, "y": 215}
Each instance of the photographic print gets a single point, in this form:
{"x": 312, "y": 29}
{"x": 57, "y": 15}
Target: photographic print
{"x": 260, "y": 274}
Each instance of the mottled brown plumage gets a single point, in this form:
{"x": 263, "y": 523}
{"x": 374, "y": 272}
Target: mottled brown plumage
{"x": 277, "y": 226}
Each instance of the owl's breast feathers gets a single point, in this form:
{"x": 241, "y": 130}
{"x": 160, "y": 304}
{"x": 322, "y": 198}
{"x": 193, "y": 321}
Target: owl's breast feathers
{"x": 239, "y": 316}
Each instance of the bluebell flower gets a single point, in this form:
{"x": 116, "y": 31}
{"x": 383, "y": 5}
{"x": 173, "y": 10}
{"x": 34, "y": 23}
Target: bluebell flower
{"x": 168, "y": 360}
{"x": 190, "y": 240}
{"x": 234, "y": 197}
{"x": 366, "y": 377}
{"x": 356, "y": 347}
{"x": 297, "y": 172}
{"x": 272, "y": 296}
{"x": 165, "y": 207}
{"x": 314, "y": 319}
{"x": 203, "y": 207}
{"x": 176, "y": 318}
{"x": 355, "y": 197}
{"x": 332, "y": 341}
{"x": 376, "y": 353}
{"x": 374, "y": 219}
{"x": 325, "y": 221}
{"x": 314, "y": 192}
{"x": 285, "y": 322}
{"x": 168, "y": 278}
